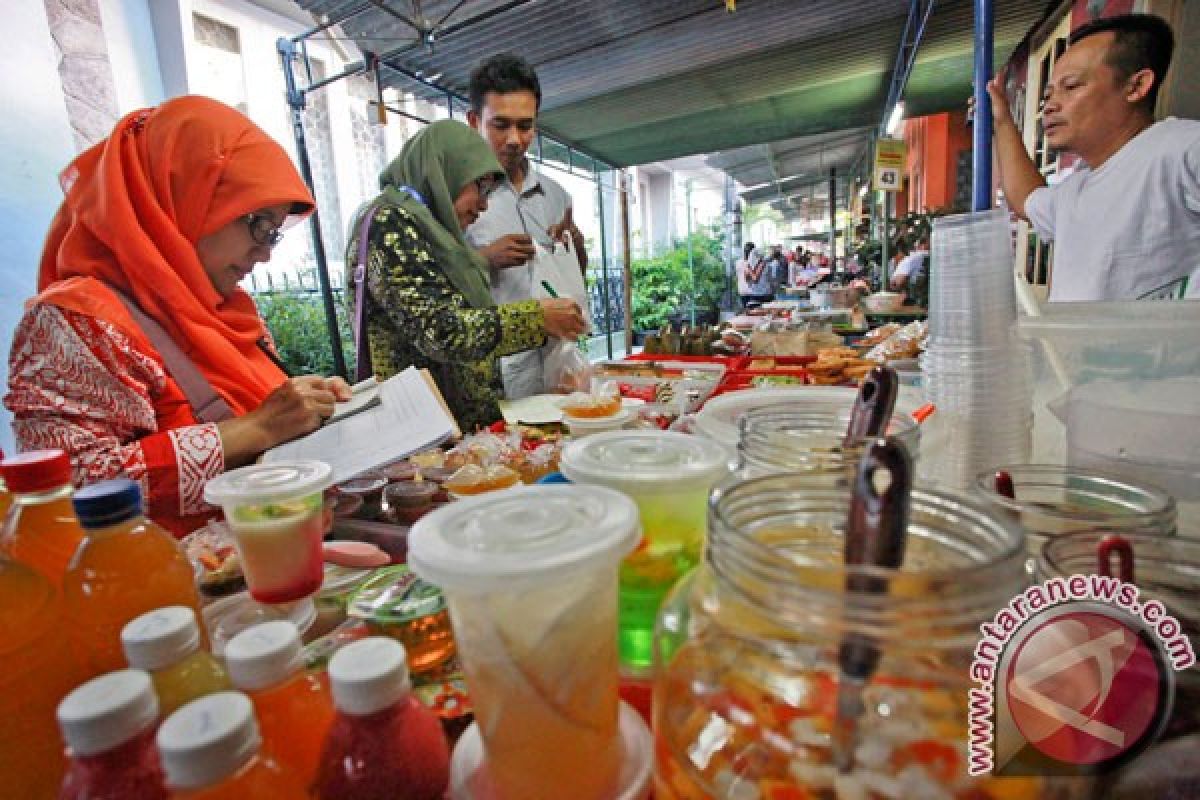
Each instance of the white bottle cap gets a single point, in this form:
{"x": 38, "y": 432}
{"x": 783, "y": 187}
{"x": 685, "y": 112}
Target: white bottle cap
{"x": 107, "y": 711}
{"x": 208, "y": 740}
{"x": 264, "y": 655}
{"x": 160, "y": 638}
{"x": 369, "y": 675}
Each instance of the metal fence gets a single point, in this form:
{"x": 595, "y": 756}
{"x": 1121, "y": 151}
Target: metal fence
{"x": 606, "y": 298}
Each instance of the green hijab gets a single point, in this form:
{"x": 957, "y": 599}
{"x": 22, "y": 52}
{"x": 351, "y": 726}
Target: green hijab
{"x": 438, "y": 162}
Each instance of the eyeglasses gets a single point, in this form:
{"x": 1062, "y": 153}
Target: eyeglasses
{"x": 263, "y": 229}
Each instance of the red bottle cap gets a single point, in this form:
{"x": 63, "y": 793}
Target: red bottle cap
{"x": 36, "y": 471}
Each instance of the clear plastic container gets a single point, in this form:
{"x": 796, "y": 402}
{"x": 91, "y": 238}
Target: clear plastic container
{"x": 231, "y": 615}
{"x": 668, "y": 475}
{"x": 369, "y": 487}
{"x": 276, "y": 513}
{"x": 333, "y": 600}
{"x": 166, "y": 643}
{"x": 383, "y": 743}
{"x": 587, "y": 426}
{"x": 109, "y": 724}
{"x": 720, "y": 417}
{"x": 1052, "y": 501}
{"x": 293, "y": 706}
{"x": 530, "y": 578}
{"x": 210, "y": 751}
{"x": 396, "y": 603}
{"x": 41, "y": 529}
{"x": 746, "y": 694}
{"x": 125, "y": 566}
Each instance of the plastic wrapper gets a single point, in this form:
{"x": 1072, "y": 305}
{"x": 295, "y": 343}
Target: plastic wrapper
{"x": 908, "y": 342}
{"x": 566, "y": 368}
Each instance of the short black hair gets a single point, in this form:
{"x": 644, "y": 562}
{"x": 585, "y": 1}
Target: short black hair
{"x": 1140, "y": 41}
{"x": 503, "y": 73}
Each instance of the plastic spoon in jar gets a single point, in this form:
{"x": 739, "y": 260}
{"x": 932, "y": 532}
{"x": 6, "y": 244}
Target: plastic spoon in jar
{"x": 876, "y": 531}
{"x": 1111, "y": 545}
{"x": 873, "y": 407}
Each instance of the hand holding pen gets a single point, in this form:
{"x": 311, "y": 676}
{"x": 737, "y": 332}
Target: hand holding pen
{"x": 563, "y": 317}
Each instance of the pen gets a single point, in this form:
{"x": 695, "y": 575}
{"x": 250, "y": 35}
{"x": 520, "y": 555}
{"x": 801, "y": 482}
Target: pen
{"x": 549, "y": 289}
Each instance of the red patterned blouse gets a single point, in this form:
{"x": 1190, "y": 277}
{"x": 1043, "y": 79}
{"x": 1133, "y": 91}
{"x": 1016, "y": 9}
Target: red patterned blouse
{"x": 78, "y": 383}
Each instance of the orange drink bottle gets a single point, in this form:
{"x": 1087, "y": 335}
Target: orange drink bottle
{"x": 210, "y": 751}
{"x": 41, "y": 529}
{"x": 293, "y": 706}
{"x": 126, "y": 566}
{"x": 383, "y": 743}
{"x": 166, "y": 643}
{"x": 109, "y": 726}
{"x": 36, "y": 672}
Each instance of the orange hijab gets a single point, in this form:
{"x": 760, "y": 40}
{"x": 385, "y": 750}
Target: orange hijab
{"x": 135, "y": 206}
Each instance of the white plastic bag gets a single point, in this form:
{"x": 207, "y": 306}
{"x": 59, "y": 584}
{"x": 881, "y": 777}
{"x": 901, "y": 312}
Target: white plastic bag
{"x": 556, "y": 273}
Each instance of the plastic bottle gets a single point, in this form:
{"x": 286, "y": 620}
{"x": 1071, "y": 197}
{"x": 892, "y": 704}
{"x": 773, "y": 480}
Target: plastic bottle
{"x": 109, "y": 726}
{"x": 383, "y": 743}
{"x": 210, "y": 751}
{"x": 126, "y": 566}
{"x": 166, "y": 643}
{"x": 293, "y": 706}
{"x": 41, "y": 529}
{"x": 37, "y": 669}
{"x": 5, "y": 496}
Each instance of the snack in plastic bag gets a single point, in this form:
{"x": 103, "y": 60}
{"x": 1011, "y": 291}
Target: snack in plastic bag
{"x": 473, "y": 479}
{"x": 565, "y": 368}
{"x": 590, "y": 405}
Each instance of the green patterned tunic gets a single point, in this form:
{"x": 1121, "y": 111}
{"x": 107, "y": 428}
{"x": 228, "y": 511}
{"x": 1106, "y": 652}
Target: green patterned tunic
{"x": 416, "y": 317}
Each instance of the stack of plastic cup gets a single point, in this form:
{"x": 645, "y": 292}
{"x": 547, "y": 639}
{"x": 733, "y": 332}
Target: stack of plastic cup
{"x": 975, "y": 369}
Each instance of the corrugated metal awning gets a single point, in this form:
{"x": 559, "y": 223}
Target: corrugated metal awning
{"x": 635, "y": 81}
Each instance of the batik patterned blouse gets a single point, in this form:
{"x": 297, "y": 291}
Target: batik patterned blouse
{"x": 416, "y": 317}
{"x": 78, "y": 383}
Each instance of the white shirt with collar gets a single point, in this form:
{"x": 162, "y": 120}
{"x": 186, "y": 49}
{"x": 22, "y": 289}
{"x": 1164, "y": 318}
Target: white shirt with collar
{"x": 540, "y": 204}
{"x": 1130, "y": 228}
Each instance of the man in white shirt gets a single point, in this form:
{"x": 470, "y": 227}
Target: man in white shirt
{"x": 525, "y": 208}
{"x": 1126, "y": 222}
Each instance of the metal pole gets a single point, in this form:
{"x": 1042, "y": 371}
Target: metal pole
{"x": 833, "y": 219}
{"x": 886, "y": 238}
{"x": 604, "y": 269}
{"x": 627, "y": 268}
{"x": 981, "y": 154}
{"x": 295, "y": 99}
{"x": 691, "y": 264}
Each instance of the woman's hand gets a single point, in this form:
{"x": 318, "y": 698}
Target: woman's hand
{"x": 296, "y": 407}
{"x": 563, "y": 318}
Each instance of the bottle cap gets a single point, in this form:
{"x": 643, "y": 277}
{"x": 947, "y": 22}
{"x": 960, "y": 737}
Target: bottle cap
{"x": 369, "y": 675}
{"x": 107, "y": 503}
{"x": 36, "y": 471}
{"x": 264, "y": 655}
{"x": 107, "y": 711}
{"x": 208, "y": 740}
{"x": 160, "y": 638}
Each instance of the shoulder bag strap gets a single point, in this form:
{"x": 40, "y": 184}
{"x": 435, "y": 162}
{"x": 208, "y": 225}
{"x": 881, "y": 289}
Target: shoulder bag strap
{"x": 207, "y": 405}
{"x": 362, "y": 348}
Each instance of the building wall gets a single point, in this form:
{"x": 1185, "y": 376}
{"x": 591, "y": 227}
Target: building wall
{"x": 934, "y": 145}
{"x": 36, "y": 141}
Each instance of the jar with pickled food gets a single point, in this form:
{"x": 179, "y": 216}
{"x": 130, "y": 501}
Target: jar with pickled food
{"x": 746, "y": 695}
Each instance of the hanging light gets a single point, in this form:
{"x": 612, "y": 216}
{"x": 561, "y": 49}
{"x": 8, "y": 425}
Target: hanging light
{"x": 894, "y": 121}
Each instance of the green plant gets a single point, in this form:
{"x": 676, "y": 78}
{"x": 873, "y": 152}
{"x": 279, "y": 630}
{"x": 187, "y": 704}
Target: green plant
{"x": 665, "y": 285}
{"x": 297, "y": 323}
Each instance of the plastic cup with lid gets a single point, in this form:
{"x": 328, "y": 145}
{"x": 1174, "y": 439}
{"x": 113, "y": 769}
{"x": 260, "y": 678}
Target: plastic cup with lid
{"x": 229, "y": 616}
{"x": 530, "y": 579}
{"x": 276, "y": 513}
{"x": 669, "y": 476}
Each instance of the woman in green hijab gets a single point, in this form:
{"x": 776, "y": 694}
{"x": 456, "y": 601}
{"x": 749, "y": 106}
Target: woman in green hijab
{"x": 426, "y": 300}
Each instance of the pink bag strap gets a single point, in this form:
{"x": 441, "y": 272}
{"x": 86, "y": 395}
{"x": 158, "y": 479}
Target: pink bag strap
{"x": 207, "y": 405}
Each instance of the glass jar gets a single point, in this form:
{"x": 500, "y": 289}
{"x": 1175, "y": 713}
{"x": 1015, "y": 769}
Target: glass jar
{"x": 773, "y": 440}
{"x": 1053, "y": 500}
{"x": 747, "y": 648}
{"x": 1167, "y": 570}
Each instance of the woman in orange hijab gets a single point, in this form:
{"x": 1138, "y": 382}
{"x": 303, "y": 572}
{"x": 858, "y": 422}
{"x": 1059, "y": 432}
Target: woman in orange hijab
{"x": 141, "y": 356}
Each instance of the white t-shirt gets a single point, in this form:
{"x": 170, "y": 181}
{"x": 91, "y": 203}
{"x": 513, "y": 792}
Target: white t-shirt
{"x": 910, "y": 266}
{"x": 1131, "y": 227}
